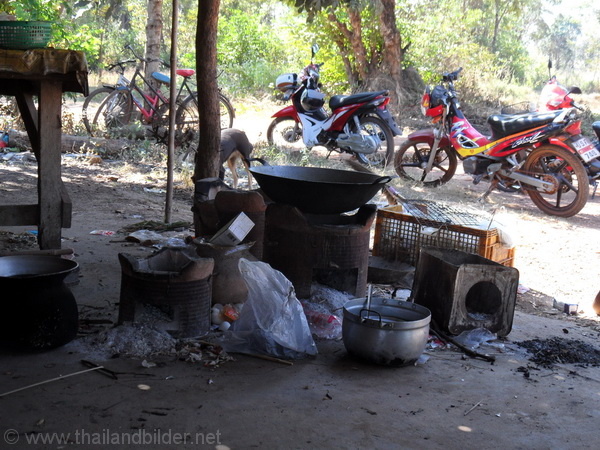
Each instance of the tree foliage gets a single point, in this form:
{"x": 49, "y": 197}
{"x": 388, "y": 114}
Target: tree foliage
{"x": 258, "y": 40}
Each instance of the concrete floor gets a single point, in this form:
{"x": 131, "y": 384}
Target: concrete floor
{"x": 329, "y": 401}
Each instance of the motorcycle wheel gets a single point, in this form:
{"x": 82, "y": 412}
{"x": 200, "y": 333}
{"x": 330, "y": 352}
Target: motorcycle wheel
{"x": 412, "y": 157}
{"x": 572, "y": 186}
{"x": 286, "y": 134}
{"x": 375, "y": 126}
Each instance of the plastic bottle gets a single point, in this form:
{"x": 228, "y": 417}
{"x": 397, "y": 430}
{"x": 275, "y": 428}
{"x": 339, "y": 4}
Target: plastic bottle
{"x": 323, "y": 325}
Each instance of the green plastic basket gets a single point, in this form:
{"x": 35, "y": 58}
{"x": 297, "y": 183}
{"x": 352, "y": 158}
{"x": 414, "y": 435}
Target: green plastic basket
{"x": 22, "y": 35}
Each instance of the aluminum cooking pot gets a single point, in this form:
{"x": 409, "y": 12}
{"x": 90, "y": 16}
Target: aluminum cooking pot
{"x": 318, "y": 190}
{"x": 385, "y": 331}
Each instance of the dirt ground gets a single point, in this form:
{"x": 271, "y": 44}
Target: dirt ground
{"x": 447, "y": 400}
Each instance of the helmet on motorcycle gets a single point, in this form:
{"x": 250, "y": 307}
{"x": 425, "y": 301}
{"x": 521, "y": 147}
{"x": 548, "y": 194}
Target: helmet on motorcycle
{"x": 312, "y": 99}
{"x": 432, "y": 103}
{"x": 286, "y": 82}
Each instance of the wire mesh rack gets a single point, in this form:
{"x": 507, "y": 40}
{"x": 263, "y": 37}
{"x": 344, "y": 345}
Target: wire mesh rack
{"x": 401, "y": 231}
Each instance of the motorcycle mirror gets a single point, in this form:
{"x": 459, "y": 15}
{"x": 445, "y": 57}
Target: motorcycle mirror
{"x": 314, "y": 49}
{"x": 574, "y": 90}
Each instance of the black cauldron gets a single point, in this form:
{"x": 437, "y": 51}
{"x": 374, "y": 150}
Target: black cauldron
{"x": 39, "y": 311}
{"x": 318, "y": 190}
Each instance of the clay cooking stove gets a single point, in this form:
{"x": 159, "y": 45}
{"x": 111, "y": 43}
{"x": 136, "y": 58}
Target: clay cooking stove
{"x": 329, "y": 249}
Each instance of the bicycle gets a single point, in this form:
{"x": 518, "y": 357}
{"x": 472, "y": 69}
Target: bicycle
{"x": 116, "y": 105}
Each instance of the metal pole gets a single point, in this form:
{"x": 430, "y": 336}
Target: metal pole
{"x": 172, "y": 111}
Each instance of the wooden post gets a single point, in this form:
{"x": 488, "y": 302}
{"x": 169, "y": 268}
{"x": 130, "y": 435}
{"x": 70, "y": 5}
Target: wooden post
{"x": 49, "y": 170}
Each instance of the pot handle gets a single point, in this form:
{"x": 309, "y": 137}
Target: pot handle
{"x": 385, "y": 179}
{"x": 369, "y": 311}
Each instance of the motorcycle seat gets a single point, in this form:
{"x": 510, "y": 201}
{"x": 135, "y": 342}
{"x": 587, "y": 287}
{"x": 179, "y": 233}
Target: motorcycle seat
{"x": 506, "y": 124}
{"x": 337, "y": 101}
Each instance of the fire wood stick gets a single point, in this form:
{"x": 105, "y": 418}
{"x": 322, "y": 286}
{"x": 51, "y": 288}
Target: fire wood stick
{"x": 50, "y": 380}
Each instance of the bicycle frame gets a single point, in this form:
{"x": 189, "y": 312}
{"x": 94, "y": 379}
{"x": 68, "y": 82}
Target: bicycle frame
{"x": 153, "y": 97}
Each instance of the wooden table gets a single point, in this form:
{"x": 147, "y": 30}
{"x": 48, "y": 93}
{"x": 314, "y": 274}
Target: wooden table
{"x": 43, "y": 74}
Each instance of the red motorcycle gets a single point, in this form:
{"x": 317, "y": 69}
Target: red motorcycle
{"x": 556, "y": 97}
{"x": 537, "y": 150}
{"x": 359, "y": 124}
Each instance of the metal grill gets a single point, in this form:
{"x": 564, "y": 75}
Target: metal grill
{"x": 439, "y": 213}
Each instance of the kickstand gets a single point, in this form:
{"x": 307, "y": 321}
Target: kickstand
{"x": 595, "y": 188}
{"x": 487, "y": 193}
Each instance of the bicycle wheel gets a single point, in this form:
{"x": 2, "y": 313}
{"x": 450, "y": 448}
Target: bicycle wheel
{"x": 91, "y": 104}
{"x": 187, "y": 126}
{"x": 113, "y": 113}
{"x": 160, "y": 124}
{"x": 227, "y": 112}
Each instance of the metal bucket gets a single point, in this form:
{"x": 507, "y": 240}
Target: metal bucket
{"x": 385, "y": 331}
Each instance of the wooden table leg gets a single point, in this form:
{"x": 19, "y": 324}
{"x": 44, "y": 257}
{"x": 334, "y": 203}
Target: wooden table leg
{"x": 49, "y": 165}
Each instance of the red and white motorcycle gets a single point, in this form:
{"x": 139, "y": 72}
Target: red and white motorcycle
{"x": 359, "y": 124}
{"x": 555, "y": 97}
{"x": 539, "y": 151}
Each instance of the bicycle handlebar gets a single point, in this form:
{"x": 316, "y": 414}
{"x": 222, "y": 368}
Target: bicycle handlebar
{"x": 121, "y": 64}
{"x": 146, "y": 60}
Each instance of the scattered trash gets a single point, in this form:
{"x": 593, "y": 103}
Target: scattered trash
{"x": 223, "y": 315}
{"x": 145, "y": 237}
{"x": 150, "y": 238}
{"x": 422, "y": 359}
{"x": 155, "y": 225}
{"x": 148, "y": 365}
{"x": 475, "y": 337}
{"x": 102, "y": 232}
{"x": 155, "y": 190}
{"x": 321, "y": 323}
{"x": 196, "y": 351}
{"x": 521, "y": 289}
{"x": 330, "y": 299}
{"x": 4, "y": 139}
{"x": 143, "y": 387}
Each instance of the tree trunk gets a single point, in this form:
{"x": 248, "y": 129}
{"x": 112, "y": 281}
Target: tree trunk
{"x": 393, "y": 52}
{"x": 353, "y": 36}
{"x": 154, "y": 27}
{"x": 207, "y": 155}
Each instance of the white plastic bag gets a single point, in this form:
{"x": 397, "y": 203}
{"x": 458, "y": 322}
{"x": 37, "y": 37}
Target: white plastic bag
{"x": 272, "y": 320}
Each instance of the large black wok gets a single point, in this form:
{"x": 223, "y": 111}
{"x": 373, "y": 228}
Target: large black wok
{"x": 318, "y": 190}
